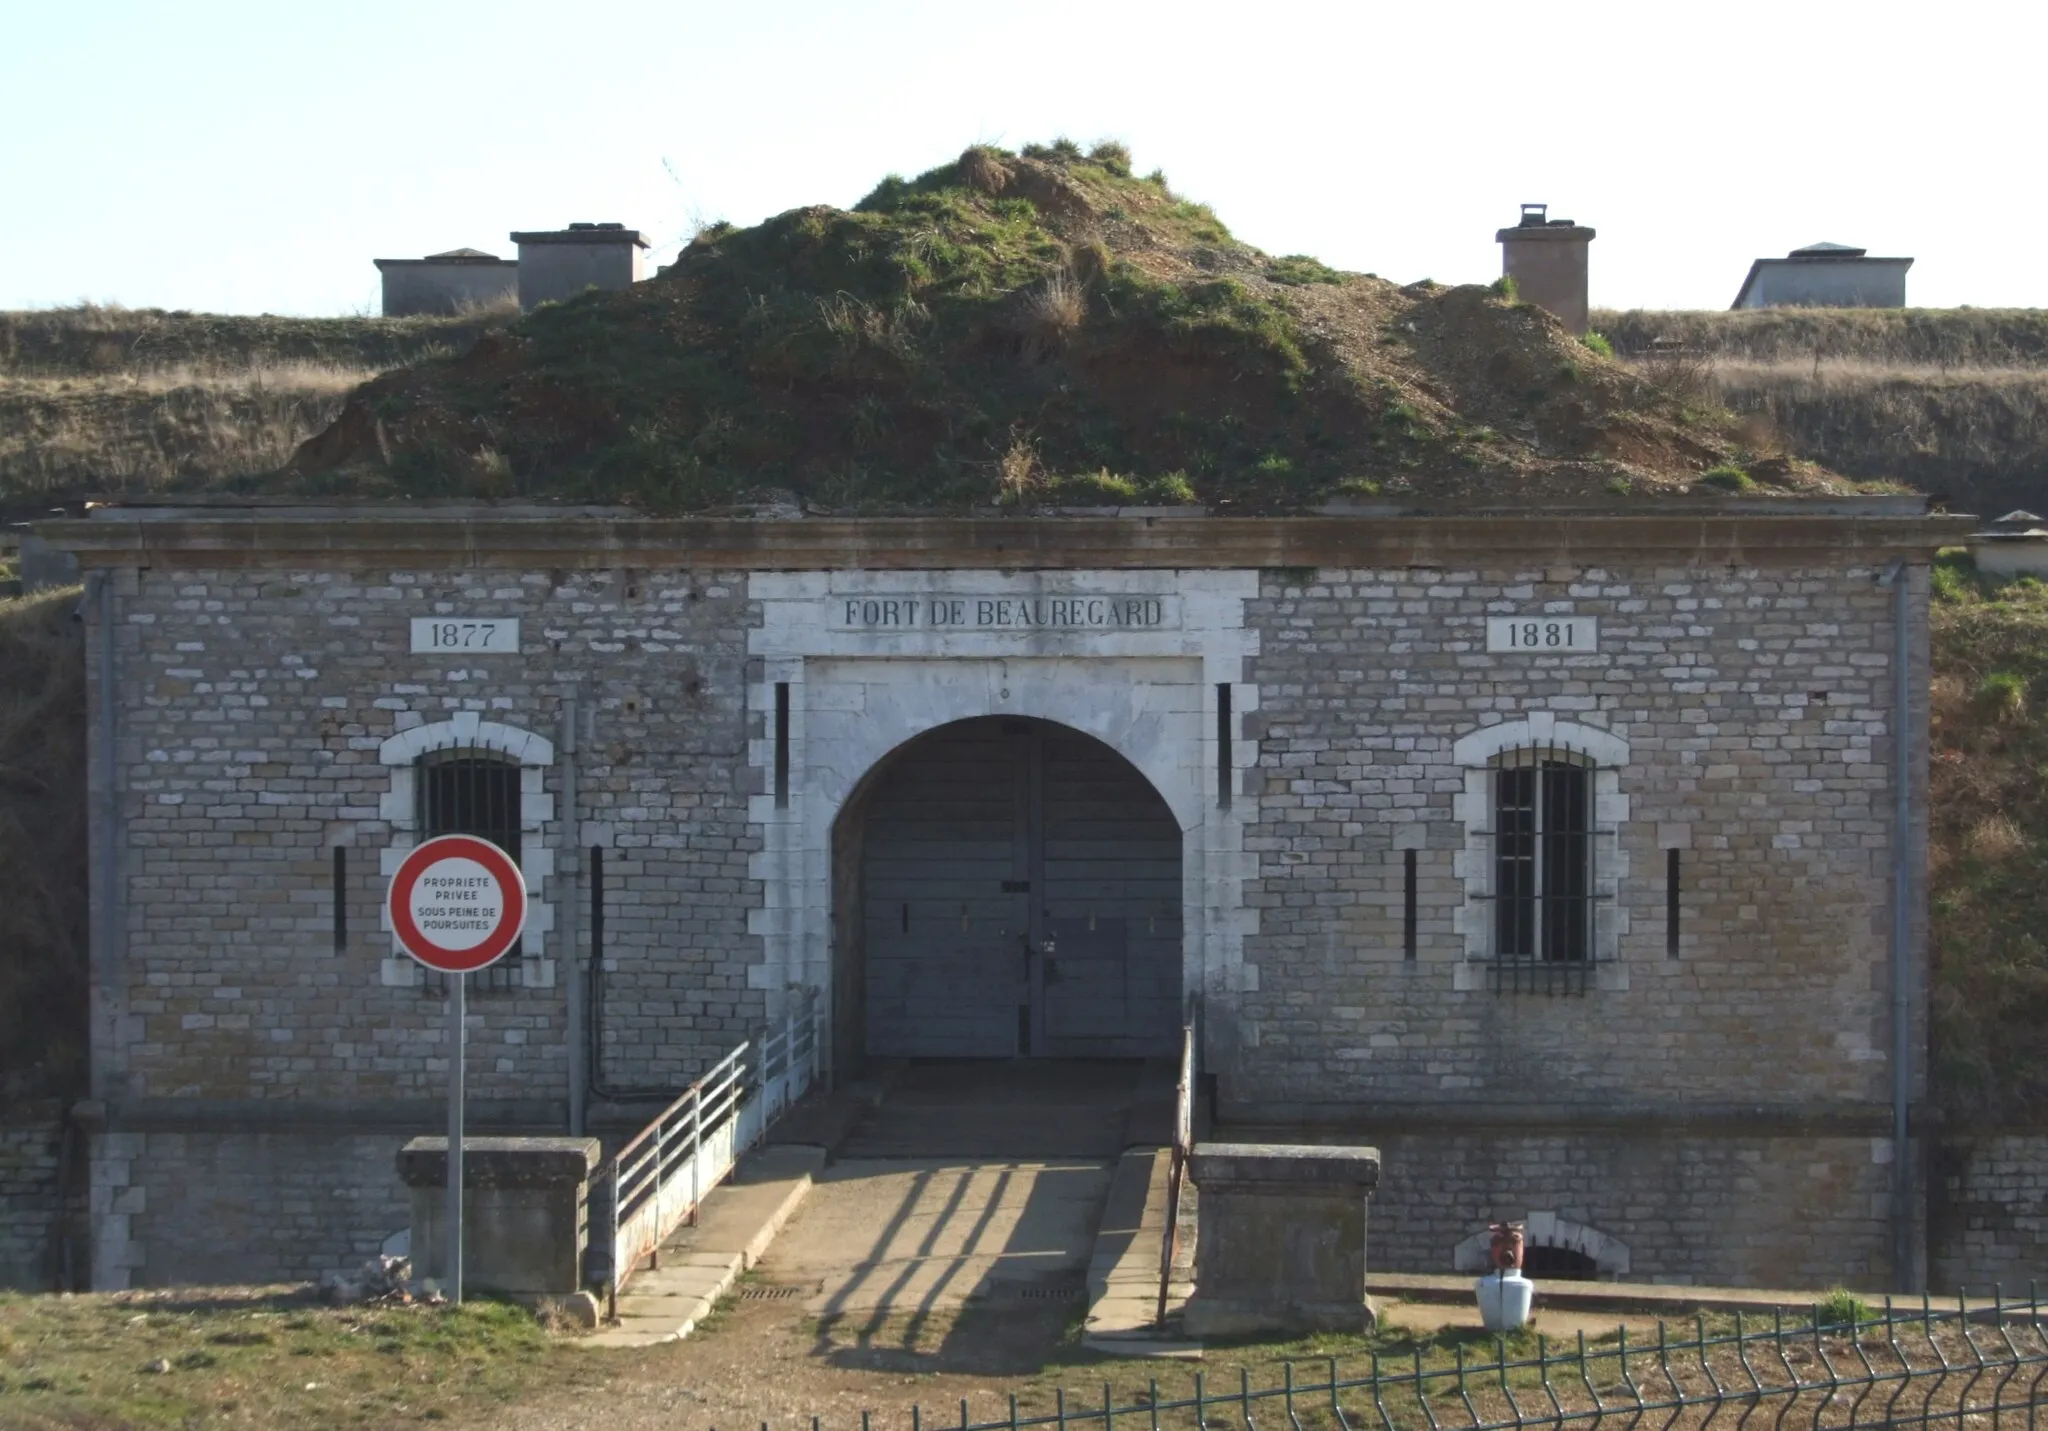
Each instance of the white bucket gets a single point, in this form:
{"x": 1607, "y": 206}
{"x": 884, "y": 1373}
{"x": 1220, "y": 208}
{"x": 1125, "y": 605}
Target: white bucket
{"x": 1504, "y": 1301}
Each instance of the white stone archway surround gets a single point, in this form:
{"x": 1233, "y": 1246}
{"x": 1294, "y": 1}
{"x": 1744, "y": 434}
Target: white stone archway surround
{"x": 469, "y": 730}
{"x": 1547, "y": 1229}
{"x": 856, "y": 695}
{"x": 1475, "y": 752}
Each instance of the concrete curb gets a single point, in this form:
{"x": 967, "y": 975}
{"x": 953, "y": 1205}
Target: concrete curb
{"x": 737, "y": 1223}
{"x": 1123, "y": 1271}
{"x": 1641, "y": 1298}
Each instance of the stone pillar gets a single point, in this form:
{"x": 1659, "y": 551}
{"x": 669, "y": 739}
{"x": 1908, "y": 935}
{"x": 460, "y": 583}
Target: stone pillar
{"x": 525, "y": 1211}
{"x": 1280, "y": 1246}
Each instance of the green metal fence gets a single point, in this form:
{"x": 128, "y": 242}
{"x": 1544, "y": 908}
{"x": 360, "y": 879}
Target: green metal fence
{"x": 1972, "y": 1364}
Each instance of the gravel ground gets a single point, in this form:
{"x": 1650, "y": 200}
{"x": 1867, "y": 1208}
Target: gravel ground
{"x": 768, "y": 1362}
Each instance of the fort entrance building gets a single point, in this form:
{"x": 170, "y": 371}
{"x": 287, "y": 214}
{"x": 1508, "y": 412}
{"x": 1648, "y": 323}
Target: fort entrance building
{"x": 1571, "y": 858}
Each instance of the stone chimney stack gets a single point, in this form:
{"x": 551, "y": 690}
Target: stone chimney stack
{"x": 1546, "y": 258}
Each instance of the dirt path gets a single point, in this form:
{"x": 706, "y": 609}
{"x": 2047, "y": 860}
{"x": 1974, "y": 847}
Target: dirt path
{"x": 766, "y": 1361}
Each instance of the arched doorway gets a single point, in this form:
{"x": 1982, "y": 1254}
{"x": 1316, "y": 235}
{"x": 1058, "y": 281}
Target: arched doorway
{"x": 1005, "y": 888}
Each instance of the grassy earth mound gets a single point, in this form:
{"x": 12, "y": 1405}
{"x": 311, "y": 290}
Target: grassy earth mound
{"x": 1988, "y": 854}
{"x": 1021, "y": 329}
{"x": 101, "y": 401}
{"x": 1950, "y": 401}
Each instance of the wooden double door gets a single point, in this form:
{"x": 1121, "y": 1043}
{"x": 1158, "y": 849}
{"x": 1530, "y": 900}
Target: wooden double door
{"x": 1020, "y": 895}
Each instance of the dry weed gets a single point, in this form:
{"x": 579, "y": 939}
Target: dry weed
{"x": 1949, "y": 696}
{"x": 1050, "y": 315}
{"x": 1941, "y": 339}
{"x": 261, "y": 375}
{"x": 96, "y": 341}
{"x": 141, "y": 432}
{"x": 502, "y": 309}
{"x": 1017, "y": 472}
{"x": 1995, "y": 837}
{"x": 1685, "y": 375}
{"x": 983, "y": 171}
{"x": 1090, "y": 261}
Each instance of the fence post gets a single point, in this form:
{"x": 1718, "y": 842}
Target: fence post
{"x": 696, "y": 1154}
{"x": 611, "y": 1260}
{"x": 660, "y": 1206}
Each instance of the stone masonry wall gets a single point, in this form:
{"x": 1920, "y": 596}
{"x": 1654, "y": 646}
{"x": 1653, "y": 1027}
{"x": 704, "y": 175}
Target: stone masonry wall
{"x": 30, "y": 1145}
{"x": 1989, "y": 1214}
{"x": 1726, "y": 1211}
{"x": 1755, "y": 706}
{"x": 252, "y": 709}
{"x": 255, "y": 1207}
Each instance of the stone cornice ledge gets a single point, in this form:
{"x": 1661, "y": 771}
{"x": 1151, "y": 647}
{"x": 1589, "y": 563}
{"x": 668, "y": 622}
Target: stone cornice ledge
{"x": 405, "y": 540}
{"x": 1674, "y": 1117}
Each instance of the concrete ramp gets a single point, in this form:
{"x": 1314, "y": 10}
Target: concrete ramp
{"x": 966, "y": 1180}
{"x": 1123, "y": 1269}
{"x": 893, "y": 1236}
{"x": 952, "y": 1181}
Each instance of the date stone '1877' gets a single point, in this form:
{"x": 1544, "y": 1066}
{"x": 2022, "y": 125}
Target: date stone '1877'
{"x": 465, "y": 635}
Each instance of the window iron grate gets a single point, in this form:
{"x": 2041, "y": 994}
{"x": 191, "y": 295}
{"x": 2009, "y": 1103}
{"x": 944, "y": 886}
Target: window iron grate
{"x": 1545, "y": 894}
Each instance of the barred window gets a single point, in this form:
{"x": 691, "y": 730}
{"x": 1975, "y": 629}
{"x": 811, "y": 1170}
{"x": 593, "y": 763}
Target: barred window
{"x": 1543, "y": 862}
{"x": 1545, "y": 891}
{"x": 1543, "y": 857}
{"x": 472, "y": 792}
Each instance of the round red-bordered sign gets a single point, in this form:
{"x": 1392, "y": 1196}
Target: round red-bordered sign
{"x": 457, "y": 903}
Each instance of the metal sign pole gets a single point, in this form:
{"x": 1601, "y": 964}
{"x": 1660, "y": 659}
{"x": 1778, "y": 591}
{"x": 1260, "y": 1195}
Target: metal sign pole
{"x": 420, "y": 911}
{"x": 456, "y": 1039}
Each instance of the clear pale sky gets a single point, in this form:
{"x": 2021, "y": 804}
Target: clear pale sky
{"x": 254, "y": 157}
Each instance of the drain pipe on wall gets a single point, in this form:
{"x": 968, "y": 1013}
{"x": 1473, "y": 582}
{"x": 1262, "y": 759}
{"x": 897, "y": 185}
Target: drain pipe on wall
{"x": 1896, "y": 576}
{"x": 106, "y": 933}
{"x": 569, "y": 904}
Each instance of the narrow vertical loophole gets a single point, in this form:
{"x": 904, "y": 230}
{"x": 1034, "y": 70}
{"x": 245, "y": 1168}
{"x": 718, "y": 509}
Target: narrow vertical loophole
{"x": 1408, "y": 904}
{"x": 1223, "y": 780}
{"x": 1671, "y": 904}
{"x": 340, "y": 899}
{"x": 596, "y": 904}
{"x": 782, "y": 745}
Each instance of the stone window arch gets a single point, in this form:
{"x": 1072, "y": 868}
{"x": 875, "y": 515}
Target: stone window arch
{"x": 399, "y": 807}
{"x": 1535, "y": 741}
{"x": 1609, "y": 1255}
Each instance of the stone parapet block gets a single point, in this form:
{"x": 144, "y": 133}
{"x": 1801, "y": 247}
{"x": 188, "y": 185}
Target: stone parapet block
{"x": 502, "y": 1162}
{"x": 1285, "y": 1165}
{"x": 1281, "y": 1246}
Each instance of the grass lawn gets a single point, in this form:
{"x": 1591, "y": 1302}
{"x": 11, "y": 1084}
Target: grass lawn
{"x": 275, "y": 1357}
{"x": 266, "y": 1357}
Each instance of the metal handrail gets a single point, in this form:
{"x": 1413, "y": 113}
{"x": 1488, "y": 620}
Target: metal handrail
{"x": 1177, "y": 1167}
{"x": 660, "y": 1176}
